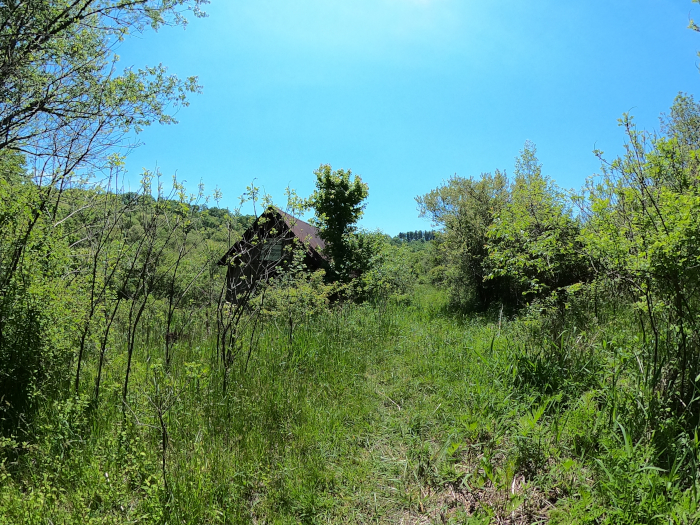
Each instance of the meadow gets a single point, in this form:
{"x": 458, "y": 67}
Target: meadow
{"x": 396, "y": 412}
{"x": 167, "y": 360}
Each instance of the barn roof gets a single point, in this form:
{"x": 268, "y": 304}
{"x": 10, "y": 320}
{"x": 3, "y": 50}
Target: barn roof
{"x": 304, "y": 231}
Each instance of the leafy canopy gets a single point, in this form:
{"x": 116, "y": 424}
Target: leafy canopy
{"x": 61, "y": 95}
{"x": 339, "y": 203}
{"x": 466, "y": 207}
{"x": 534, "y": 241}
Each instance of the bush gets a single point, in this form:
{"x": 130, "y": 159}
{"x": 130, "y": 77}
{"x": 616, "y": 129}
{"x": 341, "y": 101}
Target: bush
{"x": 388, "y": 271}
{"x": 534, "y": 240}
{"x": 466, "y": 208}
{"x": 293, "y": 298}
{"x": 37, "y": 309}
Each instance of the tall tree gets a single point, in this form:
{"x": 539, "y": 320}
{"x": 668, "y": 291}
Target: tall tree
{"x": 339, "y": 203}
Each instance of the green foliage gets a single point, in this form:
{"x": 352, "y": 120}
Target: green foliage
{"x": 385, "y": 270}
{"x": 534, "y": 240}
{"x": 293, "y": 298}
{"x": 505, "y": 242}
{"x": 466, "y": 209}
{"x": 34, "y": 299}
{"x": 118, "y": 404}
{"x": 370, "y": 411}
{"x": 75, "y": 119}
{"x": 63, "y": 105}
{"x": 642, "y": 233}
{"x": 338, "y": 203}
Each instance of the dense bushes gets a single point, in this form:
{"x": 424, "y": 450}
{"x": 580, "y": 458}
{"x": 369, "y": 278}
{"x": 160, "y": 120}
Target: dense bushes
{"x": 504, "y": 242}
{"x": 642, "y": 232}
{"x": 36, "y": 304}
{"x": 616, "y": 265}
{"x": 381, "y": 268}
{"x": 81, "y": 267}
{"x": 467, "y": 208}
{"x": 534, "y": 240}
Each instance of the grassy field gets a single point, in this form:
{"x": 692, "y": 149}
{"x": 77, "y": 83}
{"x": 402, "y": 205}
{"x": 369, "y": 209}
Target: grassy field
{"x": 395, "y": 413}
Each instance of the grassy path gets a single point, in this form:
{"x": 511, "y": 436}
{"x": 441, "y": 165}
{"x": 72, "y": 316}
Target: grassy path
{"x": 432, "y": 408}
{"x": 371, "y": 415}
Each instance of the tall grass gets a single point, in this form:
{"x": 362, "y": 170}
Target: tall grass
{"x": 397, "y": 411}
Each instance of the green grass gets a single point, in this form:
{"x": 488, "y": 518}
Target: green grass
{"x": 387, "y": 414}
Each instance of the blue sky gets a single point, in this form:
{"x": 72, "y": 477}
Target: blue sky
{"x": 407, "y": 93}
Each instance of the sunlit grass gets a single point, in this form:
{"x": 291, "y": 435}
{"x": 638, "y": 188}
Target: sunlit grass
{"x": 398, "y": 411}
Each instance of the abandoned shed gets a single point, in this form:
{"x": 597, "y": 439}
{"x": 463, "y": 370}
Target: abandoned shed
{"x": 264, "y": 250}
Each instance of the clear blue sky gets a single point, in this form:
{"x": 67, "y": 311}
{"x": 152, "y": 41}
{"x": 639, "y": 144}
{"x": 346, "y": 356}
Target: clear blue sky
{"x": 407, "y": 93}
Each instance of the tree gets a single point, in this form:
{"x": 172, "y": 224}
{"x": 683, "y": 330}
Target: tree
{"x": 339, "y": 203}
{"x": 63, "y": 109}
{"x": 63, "y": 105}
{"x": 61, "y": 97}
{"x": 642, "y": 232}
{"x": 466, "y": 208}
{"x": 534, "y": 240}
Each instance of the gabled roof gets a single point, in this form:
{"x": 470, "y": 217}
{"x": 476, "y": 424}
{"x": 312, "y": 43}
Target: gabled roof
{"x": 305, "y": 232}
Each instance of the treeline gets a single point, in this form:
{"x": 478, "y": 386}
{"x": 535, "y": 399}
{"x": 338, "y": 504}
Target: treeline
{"x": 417, "y": 235}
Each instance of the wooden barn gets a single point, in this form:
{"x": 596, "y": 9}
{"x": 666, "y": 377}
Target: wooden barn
{"x": 265, "y": 248}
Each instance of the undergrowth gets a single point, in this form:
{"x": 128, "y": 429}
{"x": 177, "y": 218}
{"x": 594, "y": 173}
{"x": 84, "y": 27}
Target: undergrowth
{"x": 396, "y": 412}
